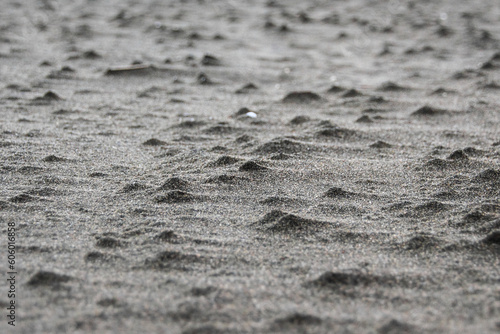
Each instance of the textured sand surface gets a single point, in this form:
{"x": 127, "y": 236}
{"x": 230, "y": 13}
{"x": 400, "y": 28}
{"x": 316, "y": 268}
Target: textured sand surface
{"x": 251, "y": 167}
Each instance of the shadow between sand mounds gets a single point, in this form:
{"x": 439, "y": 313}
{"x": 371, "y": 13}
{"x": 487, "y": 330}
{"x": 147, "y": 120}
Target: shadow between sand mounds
{"x": 175, "y": 260}
{"x": 284, "y": 146}
{"x": 354, "y": 283}
{"x": 280, "y": 222}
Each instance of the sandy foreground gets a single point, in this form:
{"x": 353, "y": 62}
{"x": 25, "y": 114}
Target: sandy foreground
{"x": 251, "y": 166}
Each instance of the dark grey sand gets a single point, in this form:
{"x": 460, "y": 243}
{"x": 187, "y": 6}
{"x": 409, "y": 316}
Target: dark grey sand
{"x": 358, "y": 192}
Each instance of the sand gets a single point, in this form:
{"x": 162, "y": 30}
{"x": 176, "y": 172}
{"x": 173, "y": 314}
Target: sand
{"x": 251, "y": 167}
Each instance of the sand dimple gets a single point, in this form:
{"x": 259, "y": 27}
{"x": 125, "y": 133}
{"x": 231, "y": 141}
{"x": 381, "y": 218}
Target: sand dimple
{"x": 336, "y": 192}
{"x": 427, "y": 209}
{"x": 480, "y": 217}
{"x": 282, "y": 145}
{"x": 458, "y": 155}
{"x": 48, "y": 97}
{"x": 440, "y": 164}
{"x": 91, "y": 54}
{"x": 491, "y": 85}
{"x": 177, "y": 196}
{"x": 44, "y": 192}
{"x": 47, "y": 278}
{"x": 4, "y": 205}
{"x": 203, "y": 79}
{"x": 488, "y": 176}
{"x": 328, "y": 130}
{"x": 190, "y": 123}
{"x": 203, "y": 291}
{"x": 302, "y": 97}
{"x": 352, "y": 93}
{"x": 296, "y": 320}
{"x": 396, "y": 327}
{"x": 22, "y": 198}
{"x": 246, "y": 89}
{"x": 206, "y": 329}
{"x": 133, "y": 187}
{"x": 98, "y": 174}
{"x": 422, "y": 243}
{"x": 225, "y": 178}
{"x": 289, "y": 223}
{"x": 301, "y": 119}
{"x": 224, "y": 160}
{"x": 210, "y": 60}
{"x": 380, "y": 144}
{"x": 490, "y": 226}
{"x": 493, "y": 238}
{"x": 364, "y": 119}
{"x": 172, "y": 260}
{"x": 154, "y": 142}
{"x": 390, "y": 86}
{"x": 334, "y": 89}
{"x": 429, "y": 111}
{"x": 61, "y": 112}
{"x": 108, "y": 242}
{"x": 53, "y": 158}
{"x": 242, "y": 112}
{"x": 30, "y": 169}
{"x": 252, "y": 166}
{"x": 272, "y": 216}
{"x": 280, "y": 200}
{"x": 278, "y": 221}
{"x": 432, "y": 206}
{"x": 99, "y": 257}
{"x": 280, "y": 156}
{"x": 168, "y": 236}
{"x": 340, "y": 281}
{"x": 442, "y": 91}
{"x": 175, "y": 183}
{"x": 220, "y": 129}
{"x": 108, "y": 302}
